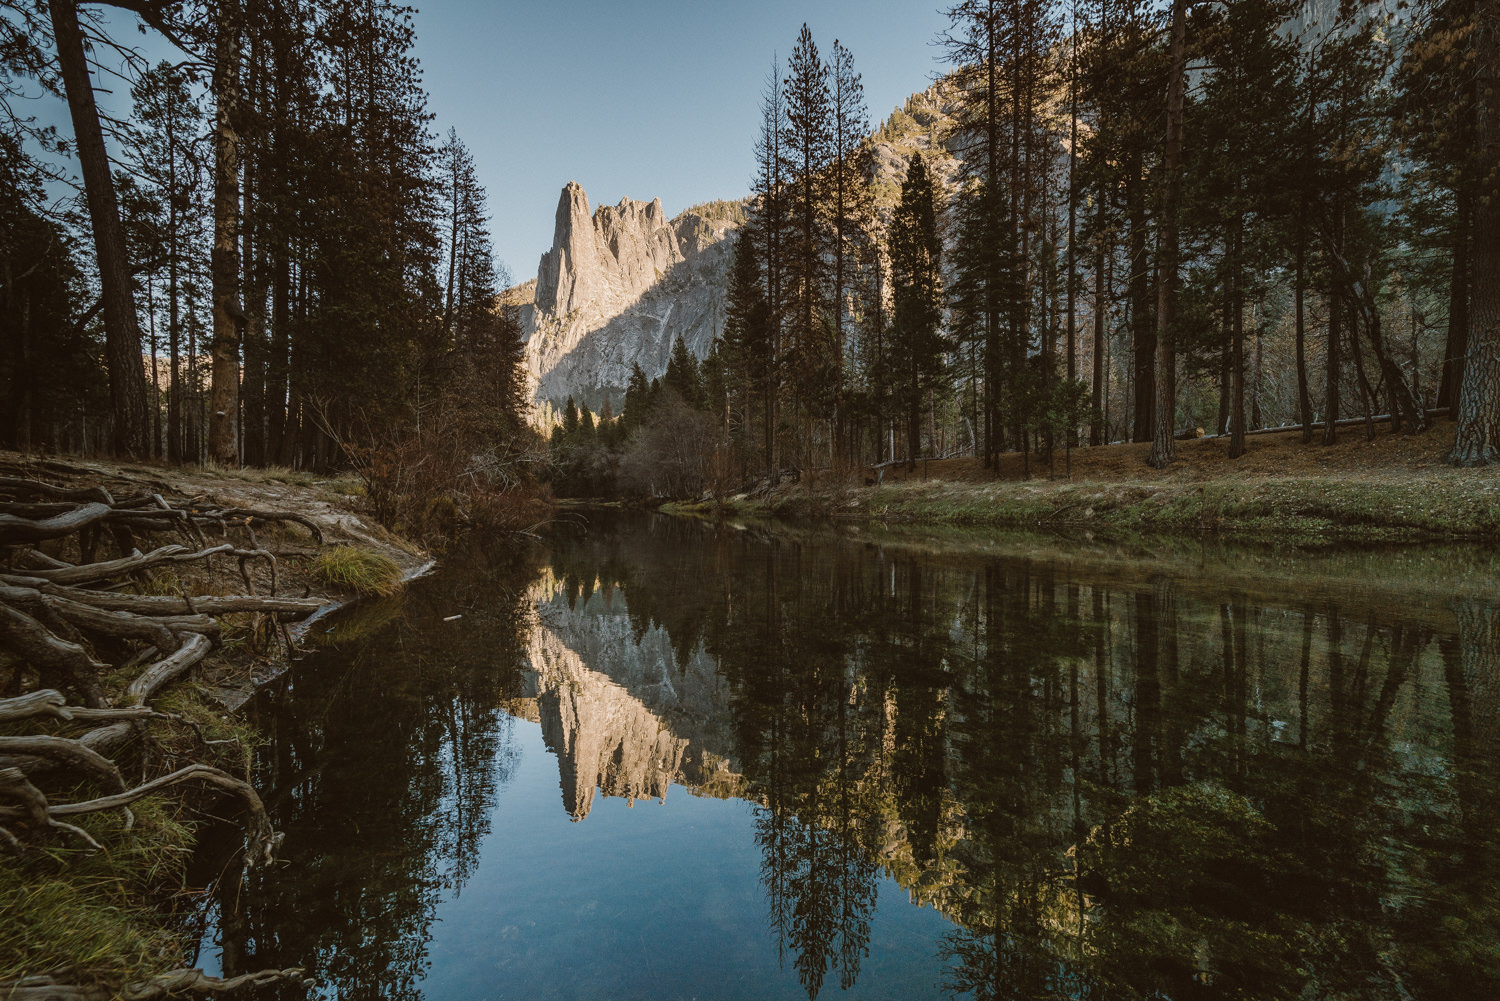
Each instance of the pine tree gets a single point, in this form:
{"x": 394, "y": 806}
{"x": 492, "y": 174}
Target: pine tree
{"x": 747, "y": 327}
{"x": 808, "y": 140}
{"x": 917, "y": 285}
{"x": 683, "y": 377}
{"x": 127, "y": 380}
{"x": 770, "y": 220}
{"x": 847, "y": 191}
{"x": 166, "y": 153}
{"x": 1478, "y": 439}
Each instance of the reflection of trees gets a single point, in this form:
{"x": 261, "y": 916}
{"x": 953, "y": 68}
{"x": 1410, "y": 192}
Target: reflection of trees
{"x": 1457, "y": 927}
{"x": 1141, "y": 789}
{"x": 806, "y": 743}
{"x": 383, "y": 766}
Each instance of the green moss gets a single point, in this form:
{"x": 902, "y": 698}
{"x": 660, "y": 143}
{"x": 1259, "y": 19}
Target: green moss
{"x": 362, "y": 571}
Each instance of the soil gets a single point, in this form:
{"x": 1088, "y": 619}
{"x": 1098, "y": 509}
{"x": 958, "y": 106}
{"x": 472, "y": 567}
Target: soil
{"x": 232, "y": 672}
{"x": 1268, "y": 454}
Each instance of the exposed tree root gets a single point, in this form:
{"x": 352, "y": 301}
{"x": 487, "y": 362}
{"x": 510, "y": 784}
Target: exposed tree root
{"x": 177, "y": 983}
{"x": 65, "y": 621}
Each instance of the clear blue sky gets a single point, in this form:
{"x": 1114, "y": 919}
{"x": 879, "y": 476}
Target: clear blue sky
{"x": 638, "y": 98}
{"x": 646, "y": 99}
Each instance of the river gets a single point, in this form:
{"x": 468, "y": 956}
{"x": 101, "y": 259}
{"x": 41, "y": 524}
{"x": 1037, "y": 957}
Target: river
{"x": 663, "y": 759}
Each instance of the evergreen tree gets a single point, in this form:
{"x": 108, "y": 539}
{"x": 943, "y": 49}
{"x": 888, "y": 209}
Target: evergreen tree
{"x": 748, "y": 328}
{"x": 847, "y": 190}
{"x": 808, "y": 140}
{"x": 127, "y": 380}
{"x": 683, "y": 377}
{"x": 770, "y": 220}
{"x": 167, "y": 158}
{"x": 917, "y": 286}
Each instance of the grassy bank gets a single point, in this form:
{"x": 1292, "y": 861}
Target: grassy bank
{"x": 104, "y": 917}
{"x": 1393, "y": 488}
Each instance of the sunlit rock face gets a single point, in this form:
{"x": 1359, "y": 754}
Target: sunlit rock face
{"x": 618, "y": 287}
{"x": 631, "y": 732}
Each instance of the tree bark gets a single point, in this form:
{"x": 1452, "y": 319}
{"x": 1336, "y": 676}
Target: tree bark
{"x": 122, "y": 332}
{"x": 1331, "y": 388}
{"x": 229, "y": 315}
{"x": 1143, "y": 332}
{"x": 1458, "y": 308}
{"x": 1163, "y": 449}
{"x": 1304, "y": 400}
{"x": 1477, "y": 442}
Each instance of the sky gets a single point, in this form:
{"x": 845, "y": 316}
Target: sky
{"x": 649, "y": 99}
{"x": 633, "y": 98}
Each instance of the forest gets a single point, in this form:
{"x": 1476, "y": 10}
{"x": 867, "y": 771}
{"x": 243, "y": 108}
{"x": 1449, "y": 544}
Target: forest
{"x": 278, "y": 228}
{"x": 1107, "y": 220}
{"x": 1117, "y": 221}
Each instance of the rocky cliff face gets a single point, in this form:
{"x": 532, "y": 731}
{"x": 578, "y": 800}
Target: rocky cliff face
{"x": 618, "y": 287}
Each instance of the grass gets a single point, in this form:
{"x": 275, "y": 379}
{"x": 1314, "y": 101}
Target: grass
{"x": 1394, "y": 488}
{"x": 357, "y": 569}
{"x": 67, "y": 909}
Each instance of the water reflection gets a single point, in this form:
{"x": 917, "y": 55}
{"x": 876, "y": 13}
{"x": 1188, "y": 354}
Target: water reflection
{"x": 1113, "y": 781}
{"x": 1113, "y": 790}
{"x": 381, "y": 767}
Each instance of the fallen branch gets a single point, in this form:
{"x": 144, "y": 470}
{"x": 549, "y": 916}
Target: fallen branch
{"x": 68, "y": 752}
{"x": 191, "y": 652}
{"x": 42, "y": 648}
{"x": 17, "y": 487}
{"x": 91, "y": 573}
{"x": 42, "y": 702}
{"x": 165, "y": 605}
{"x": 34, "y": 806}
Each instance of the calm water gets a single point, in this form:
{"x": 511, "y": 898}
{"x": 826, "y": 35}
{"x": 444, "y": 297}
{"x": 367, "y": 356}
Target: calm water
{"x": 662, "y": 759}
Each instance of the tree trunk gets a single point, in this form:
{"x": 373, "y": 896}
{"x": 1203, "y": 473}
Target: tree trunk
{"x": 223, "y": 433}
{"x": 1331, "y": 387}
{"x": 1163, "y": 448}
{"x": 1304, "y": 401}
{"x": 1101, "y": 311}
{"x": 1458, "y": 308}
{"x": 1478, "y": 440}
{"x": 1237, "y": 348}
{"x": 1144, "y": 334}
{"x": 122, "y": 332}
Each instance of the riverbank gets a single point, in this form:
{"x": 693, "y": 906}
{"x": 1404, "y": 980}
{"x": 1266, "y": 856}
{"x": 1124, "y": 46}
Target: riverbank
{"x": 330, "y": 503}
{"x": 1395, "y": 488}
{"x": 101, "y": 919}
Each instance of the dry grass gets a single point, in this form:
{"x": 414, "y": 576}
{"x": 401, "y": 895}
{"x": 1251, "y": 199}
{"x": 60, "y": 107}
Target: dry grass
{"x": 1394, "y": 487}
{"x": 1279, "y": 453}
{"x": 357, "y": 569}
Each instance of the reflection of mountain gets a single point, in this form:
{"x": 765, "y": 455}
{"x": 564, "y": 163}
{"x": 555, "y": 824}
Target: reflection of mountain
{"x": 618, "y": 711}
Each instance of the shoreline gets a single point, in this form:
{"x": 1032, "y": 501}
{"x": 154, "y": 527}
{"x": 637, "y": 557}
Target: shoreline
{"x": 101, "y": 919}
{"x": 1391, "y": 489}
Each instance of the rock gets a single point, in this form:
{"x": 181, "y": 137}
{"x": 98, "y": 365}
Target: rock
{"x": 618, "y": 287}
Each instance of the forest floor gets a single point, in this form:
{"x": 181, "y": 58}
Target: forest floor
{"x": 1394, "y": 487}
{"x": 232, "y": 672}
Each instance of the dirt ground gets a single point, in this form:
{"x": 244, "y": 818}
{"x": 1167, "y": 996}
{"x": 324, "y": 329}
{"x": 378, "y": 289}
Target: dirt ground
{"x": 1274, "y": 454}
{"x": 330, "y": 504}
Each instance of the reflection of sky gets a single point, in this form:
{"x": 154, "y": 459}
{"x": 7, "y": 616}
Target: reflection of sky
{"x": 659, "y": 900}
